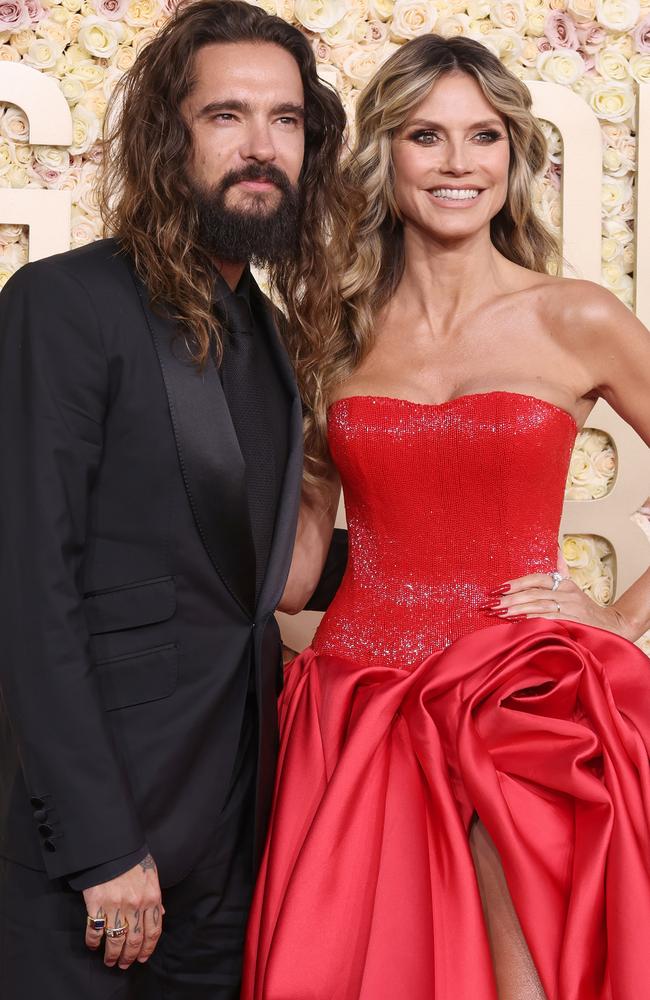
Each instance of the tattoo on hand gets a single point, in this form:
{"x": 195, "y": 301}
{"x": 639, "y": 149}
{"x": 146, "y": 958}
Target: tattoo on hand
{"x": 148, "y": 864}
{"x": 137, "y": 928}
{"x": 156, "y": 915}
{"x": 118, "y": 922}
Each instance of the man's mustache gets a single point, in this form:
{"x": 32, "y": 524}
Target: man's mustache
{"x": 253, "y": 172}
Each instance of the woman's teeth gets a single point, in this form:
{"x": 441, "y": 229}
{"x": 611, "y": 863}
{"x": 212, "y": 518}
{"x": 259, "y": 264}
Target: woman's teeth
{"x": 456, "y": 194}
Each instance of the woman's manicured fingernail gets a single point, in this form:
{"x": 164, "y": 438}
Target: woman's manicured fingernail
{"x": 498, "y": 613}
{"x": 490, "y": 607}
{"x": 503, "y": 589}
{"x": 517, "y": 618}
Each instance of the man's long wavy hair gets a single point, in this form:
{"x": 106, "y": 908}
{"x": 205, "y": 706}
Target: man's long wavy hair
{"x": 147, "y": 201}
{"x": 372, "y": 263}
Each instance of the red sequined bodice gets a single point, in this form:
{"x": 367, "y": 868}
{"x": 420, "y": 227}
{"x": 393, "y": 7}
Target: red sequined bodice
{"x": 444, "y": 502}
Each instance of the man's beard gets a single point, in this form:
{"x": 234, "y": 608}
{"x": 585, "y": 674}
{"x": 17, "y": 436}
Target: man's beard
{"x": 257, "y": 233}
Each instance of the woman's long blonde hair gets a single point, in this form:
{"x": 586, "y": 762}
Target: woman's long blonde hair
{"x": 372, "y": 262}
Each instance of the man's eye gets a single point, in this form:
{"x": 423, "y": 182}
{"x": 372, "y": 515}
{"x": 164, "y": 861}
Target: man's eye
{"x": 224, "y": 116}
{"x": 288, "y": 120}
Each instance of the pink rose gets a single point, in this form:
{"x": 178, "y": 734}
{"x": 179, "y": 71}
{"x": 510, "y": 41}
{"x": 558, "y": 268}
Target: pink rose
{"x": 561, "y": 31}
{"x": 13, "y": 15}
{"x": 641, "y": 35}
{"x": 591, "y": 35}
{"x": 35, "y": 10}
{"x": 544, "y": 45}
{"x": 112, "y": 10}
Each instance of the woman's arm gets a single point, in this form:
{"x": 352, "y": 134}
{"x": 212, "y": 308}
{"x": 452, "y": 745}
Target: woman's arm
{"x": 313, "y": 537}
{"x": 615, "y": 348}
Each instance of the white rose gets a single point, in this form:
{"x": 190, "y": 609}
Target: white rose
{"x": 343, "y": 32}
{"x": 605, "y": 463}
{"x": 618, "y": 15}
{"x": 100, "y": 38}
{"x": 72, "y": 88}
{"x": 83, "y": 229}
{"x": 10, "y": 232}
{"x": 14, "y": 255}
{"x": 609, "y": 249}
{"x": 371, "y": 33}
{"x": 602, "y": 589}
{"x": 143, "y": 37}
{"x": 54, "y": 157}
{"x": 453, "y": 24}
{"x": 622, "y": 286}
{"x": 85, "y": 129}
{"x": 412, "y": 18}
{"x": 7, "y": 150}
{"x": 14, "y": 126}
{"x": 359, "y": 66}
{"x": 507, "y": 44}
{"x": 88, "y": 72}
{"x": 564, "y": 66}
{"x": 640, "y": 67}
{"x": 550, "y": 207}
{"x": 508, "y": 14}
{"x": 382, "y": 9}
{"x": 612, "y": 64}
{"x": 612, "y": 101}
{"x": 577, "y": 493}
{"x": 582, "y": 10}
{"x": 617, "y": 229}
{"x": 319, "y": 15}
{"x": 42, "y": 54}
{"x": 536, "y": 22}
{"x": 9, "y": 54}
{"x": 580, "y": 469}
{"x": 6, "y": 270}
{"x": 476, "y": 9}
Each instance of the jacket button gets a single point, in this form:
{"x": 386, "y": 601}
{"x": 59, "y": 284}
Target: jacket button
{"x": 45, "y": 830}
{"x": 36, "y": 803}
{"x": 49, "y": 846}
{"x": 40, "y": 815}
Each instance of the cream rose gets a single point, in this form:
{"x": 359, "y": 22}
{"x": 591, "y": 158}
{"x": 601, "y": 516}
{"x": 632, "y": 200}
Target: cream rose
{"x": 72, "y": 89}
{"x": 343, "y": 32}
{"x": 535, "y": 23}
{"x": 612, "y": 101}
{"x": 610, "y": 250}
{"x": 142, "y": 13}
{"x": 476, "y": 9}
{"x": 605, "y": 463}
{"x": 602, "y": 589}
{"x": 640, "y": 67}
{"x": 14, "y": 254}
{"x": 582, "y": 10}
{"x": 85, "y": 129}
{"x": 612, "y": 64}
{"x": 453, "y": 24}
{"x": 6, "y": 270}
{"x": 83, "y": 229}
{"x": 617, "y": 229}
{"x": 563, "y": 66}
{"x": 577, "y": 493}
{"x": 579, "y": 551}
{"x": 100, "y": 38}
{"x": 22, "y": 40}
{"x": 88, "y": 72}
{"x": 508, "y": 14}
{"x": 382, "y": 9}
{"x": 506, "y": 44}
{"x": 53, "y": 157}
{"x": 412, "y": 18}
{"x": 319, "y": 15}
{"x": 618, "y": 15}
{"x": 72, "y": 5}
{"x": 14, "y": 126}
{"x": 124, "y": 58}
{"x": 8, "y": 54}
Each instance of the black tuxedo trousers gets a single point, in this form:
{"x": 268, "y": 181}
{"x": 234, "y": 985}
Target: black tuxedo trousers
{"x": 130, "y": 624}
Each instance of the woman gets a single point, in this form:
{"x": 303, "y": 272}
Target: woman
{"x": 463, "y": 800}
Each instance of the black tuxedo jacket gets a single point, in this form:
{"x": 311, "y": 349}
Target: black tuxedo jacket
{"x": 128, "y": 620}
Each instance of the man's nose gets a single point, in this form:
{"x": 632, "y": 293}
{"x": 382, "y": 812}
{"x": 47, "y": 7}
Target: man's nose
{"x": 258, "y": 143}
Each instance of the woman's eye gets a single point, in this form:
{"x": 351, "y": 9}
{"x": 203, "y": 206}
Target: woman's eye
{"x": 425, "y": 137}
{"x": 488, "y": 136}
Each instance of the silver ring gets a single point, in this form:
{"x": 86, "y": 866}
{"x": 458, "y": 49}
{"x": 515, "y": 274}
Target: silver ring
{"x": 117, "y": 932}
{"x": 557, "y": 579}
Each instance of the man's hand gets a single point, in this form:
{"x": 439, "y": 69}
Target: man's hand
{"x": 132, "y": 898}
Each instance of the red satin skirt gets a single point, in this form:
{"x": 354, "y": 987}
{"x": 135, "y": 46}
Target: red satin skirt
{"x": 368, "y": 890}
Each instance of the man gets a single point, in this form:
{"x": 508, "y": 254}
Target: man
{"x": 150, "y": 435}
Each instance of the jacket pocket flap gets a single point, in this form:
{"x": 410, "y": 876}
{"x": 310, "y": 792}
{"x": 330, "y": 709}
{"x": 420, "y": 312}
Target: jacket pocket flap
{"x": 129, "y": 607}
{"x": 139, "y": 677}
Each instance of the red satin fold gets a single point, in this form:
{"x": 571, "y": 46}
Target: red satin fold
{"x": 367, "y": 889}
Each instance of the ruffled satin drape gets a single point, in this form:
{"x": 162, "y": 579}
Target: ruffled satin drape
{"x": 367, "y": 889}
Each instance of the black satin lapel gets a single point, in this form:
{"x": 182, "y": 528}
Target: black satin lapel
{"x": 210, "y": 459}
{"x": 287, "y": 515}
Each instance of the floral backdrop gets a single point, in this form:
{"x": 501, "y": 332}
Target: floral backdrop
{"x": 597, "y": 48}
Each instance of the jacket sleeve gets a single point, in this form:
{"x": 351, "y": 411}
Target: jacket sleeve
{"x": 332, "y": 574}
{"x": 54, "y": 402}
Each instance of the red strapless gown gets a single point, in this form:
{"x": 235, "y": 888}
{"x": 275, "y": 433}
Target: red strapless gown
{"x": 412, "y": 712}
